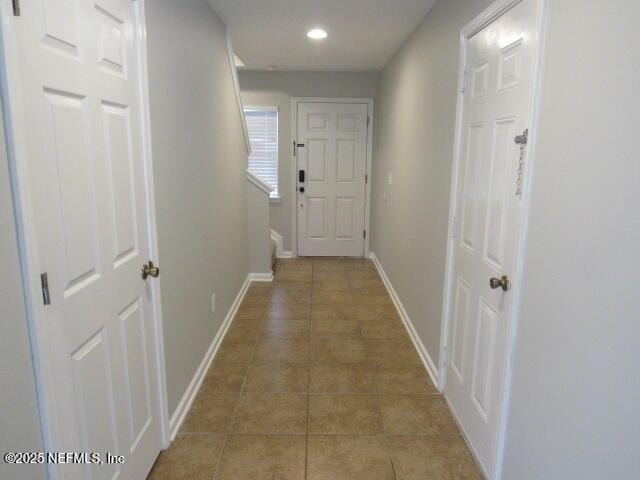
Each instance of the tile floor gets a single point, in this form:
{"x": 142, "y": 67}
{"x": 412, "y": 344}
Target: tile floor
{"x": 317, "y": 379}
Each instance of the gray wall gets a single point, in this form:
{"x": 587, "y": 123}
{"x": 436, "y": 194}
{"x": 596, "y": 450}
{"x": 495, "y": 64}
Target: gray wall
{"x": 414, "y": 144}
{"x": 199, "y": 166}
{"x": 19, "y": 418}
{"x": 576, "y": 386}
{"x": 277, "y": 89}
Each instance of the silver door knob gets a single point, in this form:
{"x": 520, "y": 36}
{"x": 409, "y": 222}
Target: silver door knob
{"x": 150, "y": 270}
{"x": 503, "y": 283}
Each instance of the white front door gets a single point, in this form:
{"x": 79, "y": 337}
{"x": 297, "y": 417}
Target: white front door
{"x": 85, "y": 179}
{"x": 496, "y": 109}
{"x": 332, "y": 154}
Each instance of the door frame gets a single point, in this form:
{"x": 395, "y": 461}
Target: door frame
{"x": 490, "y": 14}
{"x": 369, "y": 101}
{"x": 15, "y": 130}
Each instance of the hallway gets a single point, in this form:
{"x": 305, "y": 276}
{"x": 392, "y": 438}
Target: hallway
{"x": 317, "y": 379}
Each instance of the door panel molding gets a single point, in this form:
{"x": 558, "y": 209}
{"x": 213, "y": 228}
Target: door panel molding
{"x": 369, "y": 101}
{"x": 32, "y": 263}
{"x": 474, "y": 77}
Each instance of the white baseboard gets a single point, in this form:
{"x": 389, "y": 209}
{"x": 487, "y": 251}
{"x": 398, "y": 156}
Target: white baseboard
{"x": 422, "y": 351}
{"x": 187, "y": 399}
{"x": 261, "y": 277}
{"x": 280, "y": 253}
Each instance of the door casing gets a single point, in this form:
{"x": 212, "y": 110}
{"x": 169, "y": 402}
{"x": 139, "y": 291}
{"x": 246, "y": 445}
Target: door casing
{"x": 15, "y": 126}
{"x": 294, "y": 164}
{"x": 491, "y": 13}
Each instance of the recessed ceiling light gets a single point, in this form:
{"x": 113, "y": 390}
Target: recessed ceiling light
{"x": 317, "y": 34}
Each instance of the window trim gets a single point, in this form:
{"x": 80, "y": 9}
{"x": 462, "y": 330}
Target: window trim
{"x": 274, "y": 197}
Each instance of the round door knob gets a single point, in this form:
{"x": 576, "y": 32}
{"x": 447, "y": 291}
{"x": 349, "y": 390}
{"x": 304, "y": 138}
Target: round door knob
{"x": 150, "y": 270}
{"x": 301, "y": 189}
{"x": 503, "y": 283}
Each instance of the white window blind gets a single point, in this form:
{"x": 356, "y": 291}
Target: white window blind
{"x": 262, "y": 123}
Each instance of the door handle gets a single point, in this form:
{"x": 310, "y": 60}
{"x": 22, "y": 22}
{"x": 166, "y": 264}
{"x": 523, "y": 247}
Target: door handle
{"x": 150, "y": 270}
{"x": 503, "y": 283}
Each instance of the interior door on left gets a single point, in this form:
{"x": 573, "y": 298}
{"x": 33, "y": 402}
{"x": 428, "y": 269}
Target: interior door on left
{"x": 84, "y": 177}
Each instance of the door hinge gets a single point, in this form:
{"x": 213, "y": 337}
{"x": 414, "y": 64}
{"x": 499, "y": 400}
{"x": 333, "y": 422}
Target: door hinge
{"x": 463, "y": 82}
{"x": 522, "y": 139}
{"x": 364, "y": 234}
{"x": 366, "y": 178}
{"x": 367, "y": 120}
{"x": 16, "y": 8}
{"x": 44, "y": 281}
{"x": 454, "y": 227}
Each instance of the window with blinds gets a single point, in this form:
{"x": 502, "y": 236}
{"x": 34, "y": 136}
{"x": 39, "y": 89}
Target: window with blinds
{"x": 262, "y": 123}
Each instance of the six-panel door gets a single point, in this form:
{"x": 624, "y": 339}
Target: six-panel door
{"x": 496, "y": 109}
{"x": 82, "y": 115}
{"x": 331, "y": 208}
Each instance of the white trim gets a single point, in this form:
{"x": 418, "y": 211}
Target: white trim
{"x": 236, "y": 87}
{"x": 272, "y": 198}
{"x": 280, "y": 252}
{"x": 277, "y": 238}
{"x": 261, "y": 108}
{"x": 258, "y": 182}
{"x": 495, "y": 10}
{"x": 152, "y": 232}
{"x": 542, "y": 13}
{"x": 369, "y": 101}
{"x": 237, "y": 62}
{"x": 293, "y": 133}
{"x": 261, "y": 277}
{"x": 186, "y": 401}
{"x": 367, "y": 203}
{"x": 14, "y": 126}
{"x": 415, "y": 338}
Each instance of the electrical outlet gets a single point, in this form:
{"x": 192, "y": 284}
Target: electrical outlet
{"x": 213, "y": 303}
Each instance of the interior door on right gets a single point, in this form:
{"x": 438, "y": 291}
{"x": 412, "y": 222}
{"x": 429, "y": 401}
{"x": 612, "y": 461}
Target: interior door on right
{"x": 332, "y": 153}
{"x": 497, "y": 105}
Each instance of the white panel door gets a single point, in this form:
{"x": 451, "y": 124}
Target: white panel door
{"x": 497, "y": 105}
{"x": 82, "y": 114}
{"x": 332, "y": 152}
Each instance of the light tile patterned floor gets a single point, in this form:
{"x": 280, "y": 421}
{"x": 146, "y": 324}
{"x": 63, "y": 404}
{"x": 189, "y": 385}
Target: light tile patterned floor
{"x": 317, "y": 379}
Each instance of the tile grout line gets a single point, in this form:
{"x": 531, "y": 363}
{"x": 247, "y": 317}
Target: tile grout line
{"x": 384, "y": 430}
{"x": 229, "y": 428}
{"x": 306, "y": 449}
{"x": 357, "y": 296}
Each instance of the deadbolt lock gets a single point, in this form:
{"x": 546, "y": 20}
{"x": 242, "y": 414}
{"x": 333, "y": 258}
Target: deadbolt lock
{"x": 150, "y": 270}
{"x": 503, "y": 283}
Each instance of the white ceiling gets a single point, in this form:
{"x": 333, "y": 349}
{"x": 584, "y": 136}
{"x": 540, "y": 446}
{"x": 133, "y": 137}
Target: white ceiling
{"x": 363, "y": 34}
